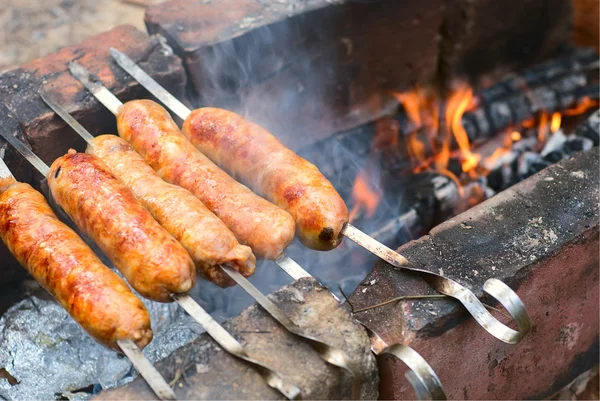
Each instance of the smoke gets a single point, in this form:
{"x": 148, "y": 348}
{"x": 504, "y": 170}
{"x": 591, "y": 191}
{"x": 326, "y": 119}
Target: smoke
{"x": 292, "y": 77}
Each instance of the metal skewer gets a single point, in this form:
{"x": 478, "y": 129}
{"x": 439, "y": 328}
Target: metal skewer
{"x": 421, "y": 375}
{"x": 330, "y": 354}
{"x": 158, "y": 384}
{"x": 504, "y": 294}
{"x": 214, "y": 329}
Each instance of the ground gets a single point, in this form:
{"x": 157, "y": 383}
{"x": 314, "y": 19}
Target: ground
{"x": 34, "y": 28}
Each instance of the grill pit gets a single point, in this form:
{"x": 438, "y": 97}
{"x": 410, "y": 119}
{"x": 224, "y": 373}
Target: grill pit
{"x": 305, "y": 71}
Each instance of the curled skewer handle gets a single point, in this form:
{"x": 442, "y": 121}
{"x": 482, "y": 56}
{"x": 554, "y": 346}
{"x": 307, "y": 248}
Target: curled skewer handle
{"x": 496, "y": 288}
{"x": 421, "y": 376}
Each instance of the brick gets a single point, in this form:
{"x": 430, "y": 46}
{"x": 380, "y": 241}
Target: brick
{"x": 302, "y": 69}
{"x": 484, "y": 40}
{"x": 210, "y": 373}
{"x": 47, "y": 134}
{"x": 540, "y": 237}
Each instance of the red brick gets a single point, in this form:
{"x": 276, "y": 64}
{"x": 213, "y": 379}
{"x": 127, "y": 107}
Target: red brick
{"x": 47, "y": 133}
{"x": 541, "y": 238}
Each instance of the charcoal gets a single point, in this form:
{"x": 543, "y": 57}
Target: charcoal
{"x": 591, "y": 128}
{"x": 577, "y": 144}
{"x": 500, "y": 115}
{"x": 554, "y": 156}
{"x": 530, "y": 163}
{"x": 543, "y": 99}
{"x": 520, "y": 108}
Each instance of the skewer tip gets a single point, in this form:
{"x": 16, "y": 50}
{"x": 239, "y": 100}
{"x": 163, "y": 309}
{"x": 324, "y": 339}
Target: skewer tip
{"x": 79, "y": 71}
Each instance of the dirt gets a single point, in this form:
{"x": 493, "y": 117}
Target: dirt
{"x": 33, "y": 28}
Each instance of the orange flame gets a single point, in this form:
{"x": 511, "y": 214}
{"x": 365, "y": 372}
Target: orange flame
{"x": 515, "y": 136}
{"x": 458, "y": 103}
{"x": 555, "y": 122}
{"x": 412, "y": 103}
{"x": 585, "y": 104}
{"x": 543, "y": 128}
{"x": 365, "y": 197}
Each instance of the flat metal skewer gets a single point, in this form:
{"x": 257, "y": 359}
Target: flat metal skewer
{"x": 154, "y": 379}
{"x": 504, "y": 294}
{"x": 330, "y": 354}
{"x": 214, "y": 329}
{"x": 494, "y": 287}
{"x": 418, "y": 376}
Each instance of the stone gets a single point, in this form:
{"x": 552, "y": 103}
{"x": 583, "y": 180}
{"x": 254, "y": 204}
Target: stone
{"x": 205, "y": 371}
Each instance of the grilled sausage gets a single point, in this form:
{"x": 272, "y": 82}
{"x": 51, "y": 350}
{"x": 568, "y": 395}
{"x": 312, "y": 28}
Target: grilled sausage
{"x": 251, "y": 154}
{"x": 151, "y": 131}
{"x": 202, "y": 234}
{"x": 153, "y": 262}
{"x": 64, "y": 265}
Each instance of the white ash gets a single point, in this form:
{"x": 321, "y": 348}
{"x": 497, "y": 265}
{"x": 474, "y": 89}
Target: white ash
{"x": 52, "y": 357}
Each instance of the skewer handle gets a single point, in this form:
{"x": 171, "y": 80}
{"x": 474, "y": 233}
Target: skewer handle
{"x": 154, "y": 379}
{"x": 496, "y": 288}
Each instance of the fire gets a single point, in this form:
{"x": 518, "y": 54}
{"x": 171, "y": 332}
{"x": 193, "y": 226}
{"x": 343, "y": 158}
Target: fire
{"x": 458, "y": 103}
{"x": 365, "y": 197}
{"x": 555, "y": 122}
{"x": 585, "y": 104}
{"x": 436, "y": 125}
{"x": 543, "y": 128}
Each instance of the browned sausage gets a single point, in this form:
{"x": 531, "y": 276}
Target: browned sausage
{"x": 253, "y": 155}
{"x": 153, "y": 262}
{"x": 64, "y": 265}
{"x": 202, "y": 234}
{"x": 151, "y": 131}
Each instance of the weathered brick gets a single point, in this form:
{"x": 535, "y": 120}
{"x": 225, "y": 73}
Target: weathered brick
{"x": 540, "y": 237}
{"x": 47, "y": 134}
{"x": 302, "y": 69}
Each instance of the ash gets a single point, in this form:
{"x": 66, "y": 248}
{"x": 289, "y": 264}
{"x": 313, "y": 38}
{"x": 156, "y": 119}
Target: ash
{"x": 51, "y": 357}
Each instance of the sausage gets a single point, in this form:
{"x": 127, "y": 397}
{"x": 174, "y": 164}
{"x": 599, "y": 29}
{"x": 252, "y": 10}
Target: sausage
{"x": 151, "y": 131}
{"x": 206, "y": 238}
{"x": 251, "y": 154}
{"x": 67, "y": 268}
{"x": 153, "y": 262}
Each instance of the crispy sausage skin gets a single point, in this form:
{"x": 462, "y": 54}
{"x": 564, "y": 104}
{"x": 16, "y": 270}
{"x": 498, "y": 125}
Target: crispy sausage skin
{"x": 251, "y": 154}
{"x": 151, "y": 131}
{"x": 202, "y": 234}
{"x": 153, "y": 262}
{"x": 64, "y": 265}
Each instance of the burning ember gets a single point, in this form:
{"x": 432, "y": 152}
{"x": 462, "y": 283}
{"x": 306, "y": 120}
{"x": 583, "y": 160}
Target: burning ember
{"x": 435, "y": 139}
